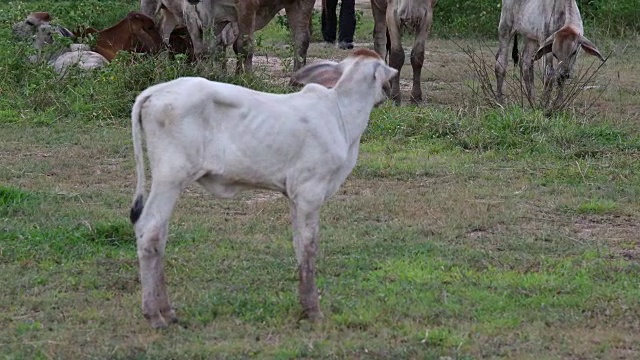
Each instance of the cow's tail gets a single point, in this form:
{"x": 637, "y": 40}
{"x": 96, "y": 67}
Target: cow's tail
{"x": 136, "y": 133}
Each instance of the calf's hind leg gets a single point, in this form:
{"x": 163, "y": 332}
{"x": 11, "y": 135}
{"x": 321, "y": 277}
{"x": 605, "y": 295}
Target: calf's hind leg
{"x": 151, "y": 234}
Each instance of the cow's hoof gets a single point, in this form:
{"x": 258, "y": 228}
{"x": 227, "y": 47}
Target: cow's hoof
{"x": 156, "y": 320}
{"x": 315, "y": 316}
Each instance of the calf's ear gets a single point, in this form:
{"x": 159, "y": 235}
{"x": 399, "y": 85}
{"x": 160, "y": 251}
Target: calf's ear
{"x": 325, "y": 73}
{"x": 385, "y": 73}
{"x": 589, "y": 48}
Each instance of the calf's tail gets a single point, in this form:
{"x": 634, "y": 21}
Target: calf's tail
{"x": 136, "y": 133}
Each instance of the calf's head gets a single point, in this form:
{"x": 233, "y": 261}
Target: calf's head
{"x": 363, "y": 71}
{"x": 564, "y": 45}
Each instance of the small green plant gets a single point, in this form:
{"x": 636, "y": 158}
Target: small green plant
{"x": 597, "y": 207}
{"x": 10, "y": 196}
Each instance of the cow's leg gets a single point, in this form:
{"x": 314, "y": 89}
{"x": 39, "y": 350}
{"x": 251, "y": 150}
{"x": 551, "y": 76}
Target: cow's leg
{"x": 149, "y": 7}
{"x": 299, "y": 15}
{"x": 504, "y": 38}
{"x": 305, "y": 217}
{"x": 381, "y": 40}
{"x": 417, "y": 60}
{"x": 417, "y": 54}
{"x": 528, "y": 53}
{"x": 396, "y": 55}
{"x": 168, "y": 22}
{"x": 549, "y": 76}
{"x": 195, "y": 32}
{"x": 379, "y": 29}
{"x": 151, "y": 234}
{"x": 243, "y": 46}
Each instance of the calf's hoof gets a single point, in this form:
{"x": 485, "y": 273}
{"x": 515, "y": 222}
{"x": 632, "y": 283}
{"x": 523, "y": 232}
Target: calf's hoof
{"x": 162, "y": 320}
{"x": 156, "y": 321}
{"x": 170, "y": 316}
{"x": 314, "y": 316}
{"x": 416, "y": 99}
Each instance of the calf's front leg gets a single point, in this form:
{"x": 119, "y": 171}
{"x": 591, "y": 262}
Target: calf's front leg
{"x": 305, "y": 215}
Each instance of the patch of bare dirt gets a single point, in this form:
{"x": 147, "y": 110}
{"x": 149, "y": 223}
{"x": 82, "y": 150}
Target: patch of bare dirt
{"x": 619, "y": 232}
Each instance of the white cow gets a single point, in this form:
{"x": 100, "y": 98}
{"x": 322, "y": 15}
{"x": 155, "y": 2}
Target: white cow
{"x": 229, "y": 138}
{"x": 551, "y": 28}
{"x": 391, "y": 18}
{"x": 62, "y": 58}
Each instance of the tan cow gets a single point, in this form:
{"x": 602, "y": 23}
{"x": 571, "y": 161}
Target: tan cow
{"x": 391, "y": 18}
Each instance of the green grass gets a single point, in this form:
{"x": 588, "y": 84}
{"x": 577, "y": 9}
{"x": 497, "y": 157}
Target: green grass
{"x": 464, "y": 232}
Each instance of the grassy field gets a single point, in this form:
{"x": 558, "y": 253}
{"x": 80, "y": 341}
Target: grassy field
{"x": 465, "y": 231}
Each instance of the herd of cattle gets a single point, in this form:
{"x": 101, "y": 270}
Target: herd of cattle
{"x": 551, "y": 29}
{"x": 228, "y": 138}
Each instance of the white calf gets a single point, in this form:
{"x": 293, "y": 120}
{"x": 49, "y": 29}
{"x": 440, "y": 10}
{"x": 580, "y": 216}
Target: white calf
{"x": 229, "y": 138}
{"x": 555, "y": 26}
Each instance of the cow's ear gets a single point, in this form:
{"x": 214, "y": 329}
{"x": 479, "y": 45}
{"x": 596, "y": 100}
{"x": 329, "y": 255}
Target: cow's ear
{"x": 326, "y": 73}
{"x": 545, "y": 48}
{"x": 39, "y": 17}
{"x": 589, "y": 48}
{"x": 384, "y": 72}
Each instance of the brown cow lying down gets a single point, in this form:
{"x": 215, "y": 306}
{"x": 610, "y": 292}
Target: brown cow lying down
{"x": 136, "y": 33}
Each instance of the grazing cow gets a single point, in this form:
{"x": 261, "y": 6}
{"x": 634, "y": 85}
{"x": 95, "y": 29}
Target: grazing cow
{"x": 26, "y": 30}
{"x": 391, "y": 18}
{"x": 136, "y": 32}
{"x": 229, "y": 138}
{"x": 234, "y": 21}
{"x": 551, "y": 28}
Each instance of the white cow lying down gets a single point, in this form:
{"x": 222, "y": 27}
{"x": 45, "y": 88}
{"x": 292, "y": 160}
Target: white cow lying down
{"x": 62, "y": 59}
{"x": 229, "y": 138}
